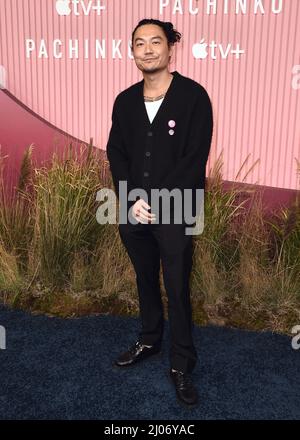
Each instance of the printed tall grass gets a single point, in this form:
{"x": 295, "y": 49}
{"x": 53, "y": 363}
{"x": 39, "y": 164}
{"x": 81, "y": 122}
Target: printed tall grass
{"x": 56, "y": 259}
{"x": 65, "y": 222}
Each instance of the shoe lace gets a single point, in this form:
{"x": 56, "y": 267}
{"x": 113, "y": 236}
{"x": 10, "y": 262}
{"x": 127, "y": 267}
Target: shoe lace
{"x": 136, "y": 347}
{"x": 184, "y": 380}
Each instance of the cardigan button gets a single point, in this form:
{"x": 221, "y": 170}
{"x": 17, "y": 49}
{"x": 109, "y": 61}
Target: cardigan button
{"x": 150, "y": 133}
{"x": 148, "y": 154}
{"x": 146, "y": 174}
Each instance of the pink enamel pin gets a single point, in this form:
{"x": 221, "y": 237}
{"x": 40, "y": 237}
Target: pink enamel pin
{"x": 171, "y": 124}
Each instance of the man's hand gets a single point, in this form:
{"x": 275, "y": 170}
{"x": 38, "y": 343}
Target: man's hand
{"x": 140, "y": 212}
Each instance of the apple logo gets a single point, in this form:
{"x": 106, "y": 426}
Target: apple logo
{"x": 62, "y": 7}
{"x": 199, "y": 50}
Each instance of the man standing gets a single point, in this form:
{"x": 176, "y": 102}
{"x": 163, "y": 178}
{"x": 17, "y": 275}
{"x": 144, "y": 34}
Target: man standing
{"x": 160, "y": 139}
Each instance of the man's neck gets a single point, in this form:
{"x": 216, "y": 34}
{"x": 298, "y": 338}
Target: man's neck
{"x": 157, "y": 83}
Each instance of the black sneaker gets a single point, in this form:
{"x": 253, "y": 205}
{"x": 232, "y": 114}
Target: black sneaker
{"x": 136, "y": 353}
{"x": 185, "y": 390}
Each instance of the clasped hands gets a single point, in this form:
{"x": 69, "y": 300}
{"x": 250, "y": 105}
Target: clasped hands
{"x": 140, "y": 212}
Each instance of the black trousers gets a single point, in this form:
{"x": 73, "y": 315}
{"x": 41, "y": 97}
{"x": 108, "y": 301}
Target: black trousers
{"x": 146, "y": 245}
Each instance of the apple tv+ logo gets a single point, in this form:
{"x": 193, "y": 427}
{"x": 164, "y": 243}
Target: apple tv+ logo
{"x": 78, "y": 7}
{"x": 200, "y": 50}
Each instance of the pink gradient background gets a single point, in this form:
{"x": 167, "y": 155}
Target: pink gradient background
{"x": 256, "y": 110}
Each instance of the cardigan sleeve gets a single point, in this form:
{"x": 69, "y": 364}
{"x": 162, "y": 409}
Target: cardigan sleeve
{"x": 116, "y": 153}
{"x": 190, "y": 171}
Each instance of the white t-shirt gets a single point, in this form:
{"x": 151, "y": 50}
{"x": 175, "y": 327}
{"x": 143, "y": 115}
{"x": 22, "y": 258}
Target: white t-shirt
{"x": 152, "y": 108}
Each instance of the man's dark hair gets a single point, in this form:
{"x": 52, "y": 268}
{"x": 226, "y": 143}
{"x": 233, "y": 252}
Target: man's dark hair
{"x": 173, "y": 36}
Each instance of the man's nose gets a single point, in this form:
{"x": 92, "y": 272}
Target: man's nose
{"x": 148, "y": 48}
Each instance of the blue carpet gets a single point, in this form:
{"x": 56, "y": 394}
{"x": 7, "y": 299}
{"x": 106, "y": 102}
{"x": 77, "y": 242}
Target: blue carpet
{"x": 56, "y": 368}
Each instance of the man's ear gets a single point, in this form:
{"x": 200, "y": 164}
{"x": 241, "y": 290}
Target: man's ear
{"x": 171, "y": 51}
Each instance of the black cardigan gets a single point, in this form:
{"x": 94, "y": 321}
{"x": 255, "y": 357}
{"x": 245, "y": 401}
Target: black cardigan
{"x": 145, "y": 154}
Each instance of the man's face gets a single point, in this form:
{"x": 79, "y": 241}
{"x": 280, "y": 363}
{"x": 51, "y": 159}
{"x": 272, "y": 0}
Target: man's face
{"x": 150, "y": 49}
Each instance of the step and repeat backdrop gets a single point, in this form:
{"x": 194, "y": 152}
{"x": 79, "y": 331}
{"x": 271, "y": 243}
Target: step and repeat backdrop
{"x": 67, "y": 60}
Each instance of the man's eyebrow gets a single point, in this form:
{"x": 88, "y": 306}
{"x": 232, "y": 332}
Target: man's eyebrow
{"x": 139, "y": 38}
